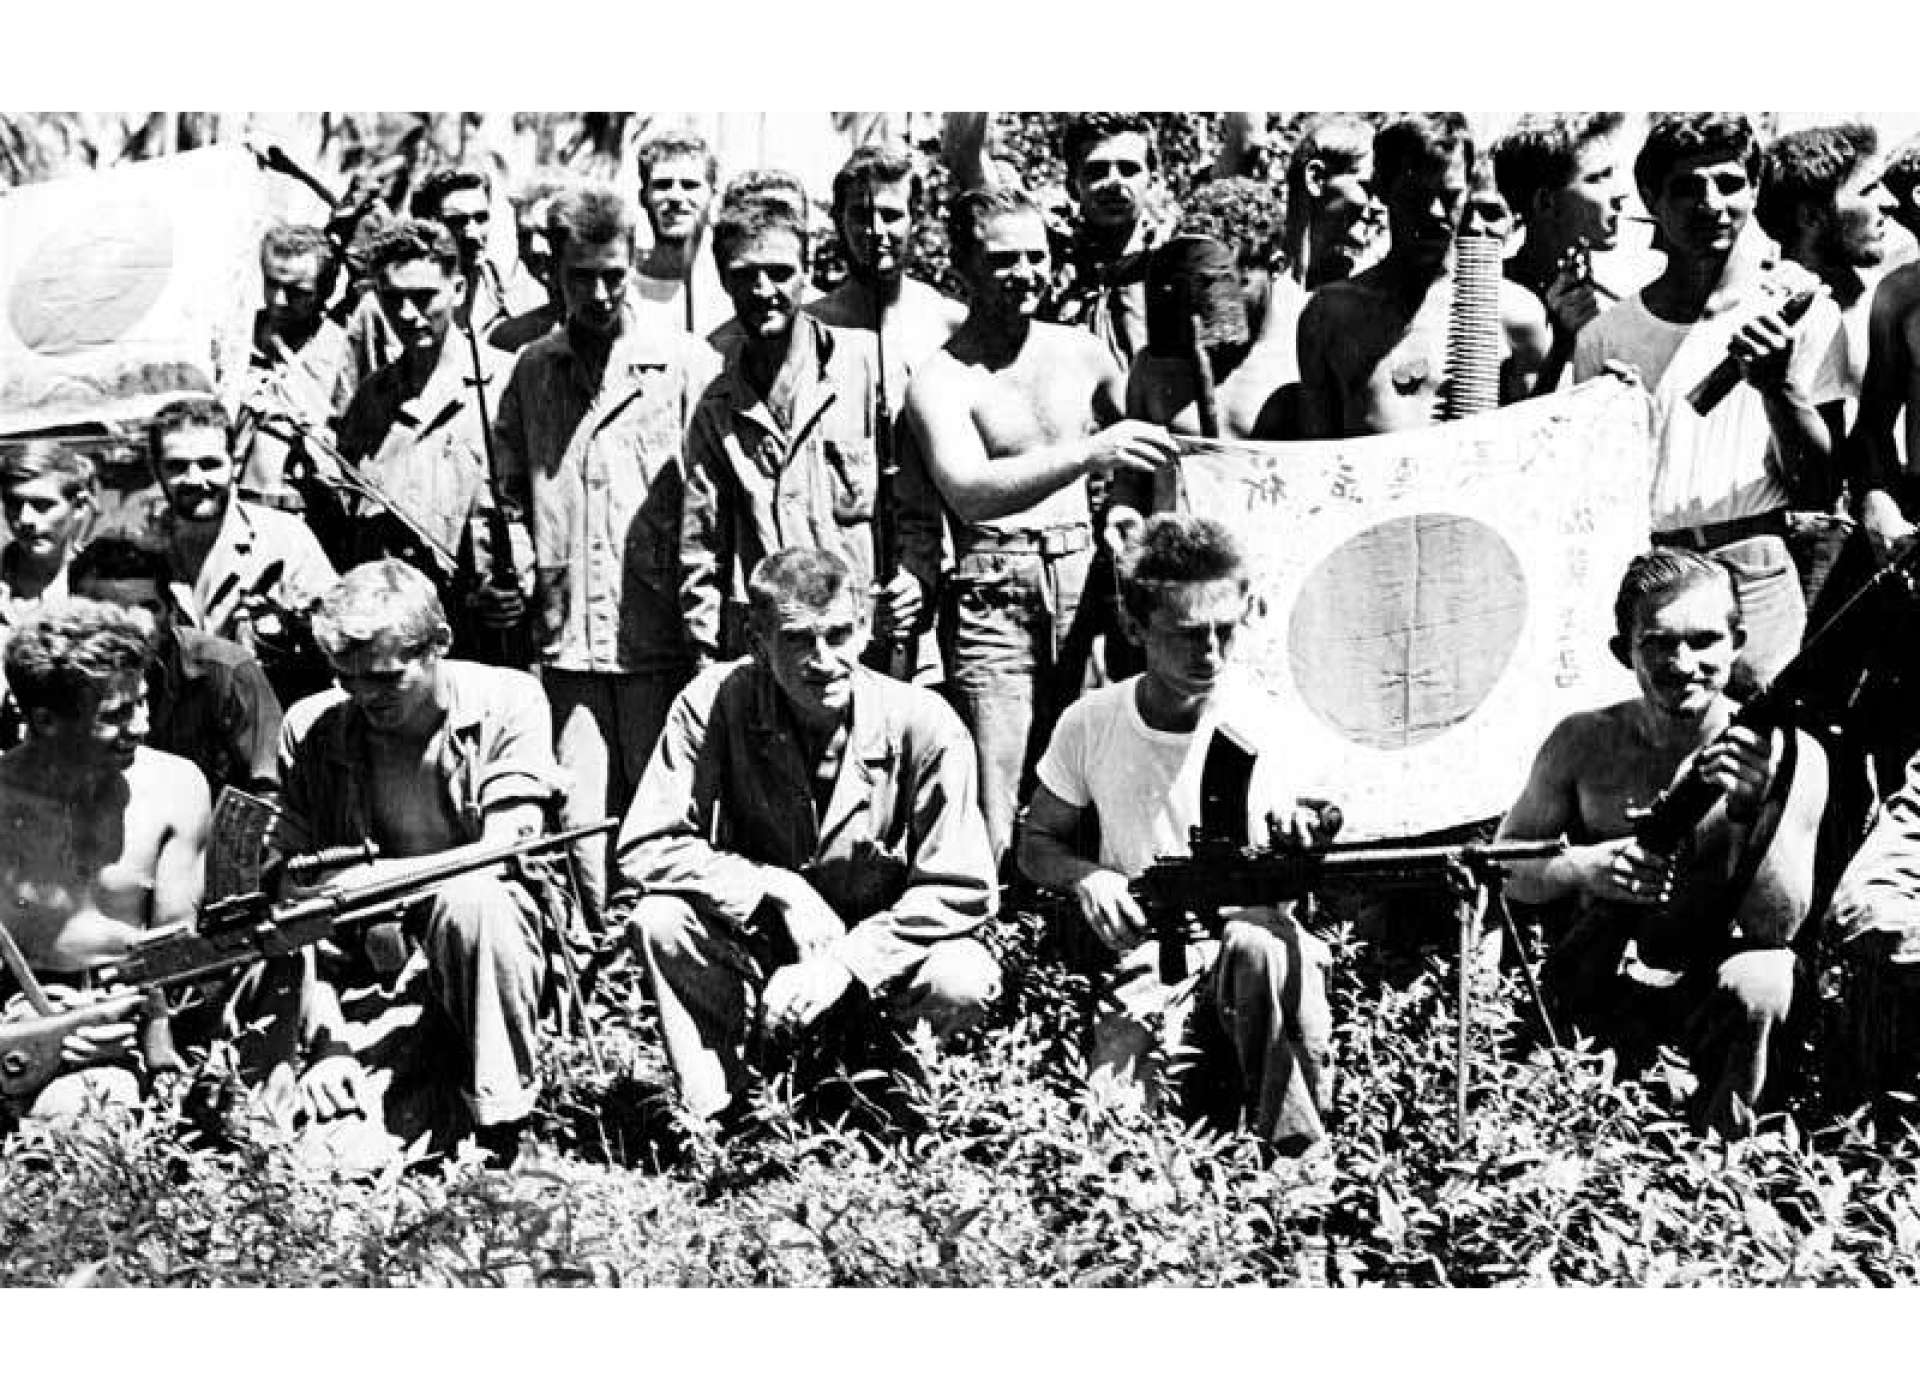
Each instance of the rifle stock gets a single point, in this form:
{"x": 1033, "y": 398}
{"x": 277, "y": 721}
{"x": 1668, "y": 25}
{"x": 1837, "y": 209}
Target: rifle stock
{"x": 232, "y": 934}
{"x": 511, "y": 645}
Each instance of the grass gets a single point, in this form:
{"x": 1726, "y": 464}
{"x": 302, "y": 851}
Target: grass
{"x": 1017, "y": 1173}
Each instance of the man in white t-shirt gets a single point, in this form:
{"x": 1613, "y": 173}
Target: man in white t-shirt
{"x": 1724, "y": 480}
{"x": 1133, "y": 754}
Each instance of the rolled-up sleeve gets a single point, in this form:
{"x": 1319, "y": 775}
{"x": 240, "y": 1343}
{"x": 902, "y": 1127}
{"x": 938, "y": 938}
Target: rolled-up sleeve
{"x": 704, "y": 525}
{"x": 666, "y": 844}
{"x": 951, "y": 890}
{"x": 1881, "y": 888}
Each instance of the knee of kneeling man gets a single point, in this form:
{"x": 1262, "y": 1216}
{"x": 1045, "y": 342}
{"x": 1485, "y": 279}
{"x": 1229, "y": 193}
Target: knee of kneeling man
{"x": 661, "y": 923}
{"x": 1761, "y": 982}
{"x": 1246, "y": 943}
{"x": 473, "y": 910}
{"x": 961, "y": 974}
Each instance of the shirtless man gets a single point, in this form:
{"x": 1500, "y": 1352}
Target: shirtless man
{"x": 1007, "y": 422}
{"x": 1373, "y": 349}
{"x": 105, "y": 838}
{"x": 876, "y": 202}
{"x": 1560, "y": 173}
{"x": 1333, "y": 227}
{"x": 1822, "y": 201}
{"x": 677, "y": 288}
{"x": 1717, "y": 975}
{"x": 1256, "y": 361}
{"x": 1881, "y": 461}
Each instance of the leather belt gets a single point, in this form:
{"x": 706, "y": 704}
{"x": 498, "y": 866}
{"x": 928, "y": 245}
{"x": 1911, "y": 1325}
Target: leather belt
{"x": 1724, "y": 532}
{"x": 1048, "y": 541}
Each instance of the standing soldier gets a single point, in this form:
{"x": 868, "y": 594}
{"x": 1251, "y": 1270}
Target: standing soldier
{"x": 590, "y": 433}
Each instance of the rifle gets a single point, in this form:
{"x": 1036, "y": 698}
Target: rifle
{"x": 230, "y": 934}
{"x": 898, "y": 658}
{"x": 511, "y": 645}
{"x": 292, "y": 429}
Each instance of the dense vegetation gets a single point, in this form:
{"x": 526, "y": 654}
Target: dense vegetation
{"x": 1004, "y": 1167}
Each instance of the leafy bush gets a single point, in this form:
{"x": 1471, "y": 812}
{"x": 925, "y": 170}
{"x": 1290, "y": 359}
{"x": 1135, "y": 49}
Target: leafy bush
{"x": 1020, "y": 1173}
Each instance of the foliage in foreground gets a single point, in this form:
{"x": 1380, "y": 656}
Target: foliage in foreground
{"x": 1020, "y": 1174}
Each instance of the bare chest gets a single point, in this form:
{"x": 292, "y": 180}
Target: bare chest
{"x": 1035, "y": 402}
{"x": 61, "y": 860}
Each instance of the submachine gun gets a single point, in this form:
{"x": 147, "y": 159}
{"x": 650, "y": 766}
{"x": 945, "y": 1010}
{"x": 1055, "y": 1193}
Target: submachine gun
{"x": 231, "y": 933}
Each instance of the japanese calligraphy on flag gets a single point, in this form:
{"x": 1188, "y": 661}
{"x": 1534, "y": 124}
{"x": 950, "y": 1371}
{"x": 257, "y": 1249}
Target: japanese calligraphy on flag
{"x": 1433, "y": 602}
{"x": 124, "y": 288}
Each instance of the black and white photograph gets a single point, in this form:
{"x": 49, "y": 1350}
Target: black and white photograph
{"x": 959, "y": 699}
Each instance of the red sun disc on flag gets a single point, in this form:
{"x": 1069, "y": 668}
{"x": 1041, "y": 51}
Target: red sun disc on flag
{"x": 1403, "y": 631}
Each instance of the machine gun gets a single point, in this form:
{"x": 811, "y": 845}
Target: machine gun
{"x": 229, "y": 934}
{"x": 1177, "y": 890}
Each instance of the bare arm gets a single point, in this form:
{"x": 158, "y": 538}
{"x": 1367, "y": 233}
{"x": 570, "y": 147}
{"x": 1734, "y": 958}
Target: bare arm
{"x": 1321, "y": 411}
{"x": 963, "y": 146}
{"x": 1046, "y": 856}
{"x": 180, "y": 869}
{"x": 1875, "y": 456}
{"x": 979, "y": 487}
{"x": 1549, "y": 806}
{"x": 1529, "y": 343}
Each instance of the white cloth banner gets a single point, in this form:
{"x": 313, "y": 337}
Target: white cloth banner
{"x": 125, "y": 288}
{"x": 1433, "y": 602}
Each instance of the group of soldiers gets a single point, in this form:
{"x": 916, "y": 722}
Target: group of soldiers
{"x": 856, "y": 608}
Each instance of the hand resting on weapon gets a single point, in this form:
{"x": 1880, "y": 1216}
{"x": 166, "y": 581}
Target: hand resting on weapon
{"x": 1106, "y": 900}
{"x": 1739, "y": 763}
{"x": 898, "y": 607}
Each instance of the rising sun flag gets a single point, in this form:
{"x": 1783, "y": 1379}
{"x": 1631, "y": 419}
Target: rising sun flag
{"x": 1432, "y": 602}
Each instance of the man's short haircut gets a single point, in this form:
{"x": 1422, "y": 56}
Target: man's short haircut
{"x": 1342, "y": 144}
{"x": 1244, "y": 214}
{"x": 969, "y": 209}
{"x": 755, "y": 216}
{"x": 434, "y": 190}
{"x": 1901, "y": 174}
{"x": 876, "y": 165}
{"x": 769, "y": 185}
{"x": 385, "y": 598}
{"x": 1678, "y": 136}
{"x": 812, "y": 578}
{"x": 65, "y": 656}
{"x": 24, "y": 463}
{"x": 669, "y": 145}
{"x": 1541, "y": 153}
{"x": 1177, "y": 551}
{"x": 1805, "y": 170}
{"x": 1419, "y": 143}
{"x": 1663, "y": 570}
{"x": 118, "y": 559}
{"x": 413, "y": 240}
{"x": 302, "y": 241}
{"x": 590, "y": 213}
{"x": 181, "y": 414}
{"x": 1085, "y": 130}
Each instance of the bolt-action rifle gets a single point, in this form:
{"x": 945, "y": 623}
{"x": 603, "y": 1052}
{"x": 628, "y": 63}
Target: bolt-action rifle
{"x": 229, "y": 934}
